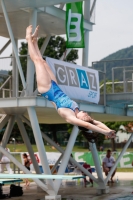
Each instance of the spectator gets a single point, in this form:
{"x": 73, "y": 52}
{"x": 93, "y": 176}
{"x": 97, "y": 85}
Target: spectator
{"x": 108, "y": 162}
{"x": 27, "y": 165}
{"x": 5, "y": 162}
{"x": 88, "y": 168}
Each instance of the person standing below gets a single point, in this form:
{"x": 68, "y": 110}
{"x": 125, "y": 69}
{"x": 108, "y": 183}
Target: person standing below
{"x": 88, "y": 168}
{"x": 27, "y": 165}
{"x": 5, "y": 162}
{"x": 108, "y": 162}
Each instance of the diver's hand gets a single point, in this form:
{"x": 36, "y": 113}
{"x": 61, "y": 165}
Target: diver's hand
{"x": 111, "y": 134}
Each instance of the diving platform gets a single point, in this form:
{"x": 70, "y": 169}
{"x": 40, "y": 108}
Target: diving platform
{"x": 46, "y": 113}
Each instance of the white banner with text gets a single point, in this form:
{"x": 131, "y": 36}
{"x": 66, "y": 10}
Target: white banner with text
{"x": 78, "y": 82}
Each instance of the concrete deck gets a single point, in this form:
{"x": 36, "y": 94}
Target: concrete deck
{"x": 71, "y": 190}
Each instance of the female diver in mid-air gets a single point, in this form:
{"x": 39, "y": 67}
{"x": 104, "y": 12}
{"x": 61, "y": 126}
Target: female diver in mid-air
{"x": 48, "y": 87}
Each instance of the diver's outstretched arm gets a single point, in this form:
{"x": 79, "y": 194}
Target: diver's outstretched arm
{"x": 100, "y": 129}
{"x": 100, "y": 125}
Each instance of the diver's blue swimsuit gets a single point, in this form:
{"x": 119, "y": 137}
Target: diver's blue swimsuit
{"x": 56, "y": 95}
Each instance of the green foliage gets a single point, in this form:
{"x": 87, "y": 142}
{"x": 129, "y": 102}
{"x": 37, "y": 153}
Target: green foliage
{"x": 115, "y": 125}
{"x": 56, "y": 47}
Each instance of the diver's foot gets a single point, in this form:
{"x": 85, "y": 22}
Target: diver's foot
{"x": 28, "y": 32}
{"x": 35, "y": 34}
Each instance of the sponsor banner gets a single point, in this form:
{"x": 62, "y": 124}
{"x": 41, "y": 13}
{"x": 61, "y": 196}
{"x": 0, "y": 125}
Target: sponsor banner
{"x": 125, "y": 162}
{"x": 74, "y": 25}
{"x": 81, "y": 157}
{"x": 78, "y": 82}
{"x": 51, "y": 157}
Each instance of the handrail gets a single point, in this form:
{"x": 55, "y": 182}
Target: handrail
{"x": 124, "y": 70}
{"x": 5, "y": 82}
{"x": 108, "y": 83}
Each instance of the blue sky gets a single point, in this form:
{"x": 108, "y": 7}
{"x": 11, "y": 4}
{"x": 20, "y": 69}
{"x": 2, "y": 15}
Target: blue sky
{"x": 113, "y": 29}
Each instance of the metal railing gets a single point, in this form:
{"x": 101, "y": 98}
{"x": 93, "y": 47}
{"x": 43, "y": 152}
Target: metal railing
{"x": 116, "y": 86}
{"x": 6, "y": 89}
{"x": 125, "y": 85}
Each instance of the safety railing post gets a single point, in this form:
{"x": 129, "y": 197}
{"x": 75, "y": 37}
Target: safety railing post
{"x": 124, "y": 80}
{"x": 112, "y": 80}
{"x": 104, "y": 83}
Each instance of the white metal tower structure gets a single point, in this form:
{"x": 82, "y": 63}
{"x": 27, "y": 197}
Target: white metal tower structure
{"x": 27, "y": 107}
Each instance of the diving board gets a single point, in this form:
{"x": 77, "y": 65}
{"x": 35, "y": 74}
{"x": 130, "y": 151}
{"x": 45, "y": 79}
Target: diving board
{"x": 10, "y": 181}
{"x": 38, "y": 176}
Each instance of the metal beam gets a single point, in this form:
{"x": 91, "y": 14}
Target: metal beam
{"x": 61, "y": 14}
{"x": 13, "y": 5}
{"x": 66, "y": 156}
{"x": 62, "y": 152}
{"x": 4, "y": 121}
{"x": 40, "y": 145}
{"x": 92, "y": 8}
{"x": 23, "y": 168}
{"x": 97, "y": 164}
{"x": 118, "y": 159}
{"x": 7, "y": 132}
{"x": 5, "y": 46}
{"x": 13, "y": 43}
{"x": 45, "y": 43}
{"x": 65, "y": 54}
{"x": 28, "y": 144}
{"x": 61, "y": 5}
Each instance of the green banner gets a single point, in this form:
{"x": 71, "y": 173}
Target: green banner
{"x": 125, "y": 161}
{"x": 74, "y": 25}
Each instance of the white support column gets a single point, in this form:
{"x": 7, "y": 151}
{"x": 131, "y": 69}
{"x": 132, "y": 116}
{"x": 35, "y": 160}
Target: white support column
{"x": 45, "y": 43}
{"x": 65, "y": 54}
{"x": 5, "y": 46}
{"x": 62, "y": 6}
{"x": 56, "y": 164}
{"x": 66, "y": 156}
{"x": 30, "y": 64}
{"x": 119, "y": 158}
{"x": 13, "y": 43}
{"x": 14, "y": 74}
{"x": 102, "y": 188}
{"x": 40, "y": 145}
{"x": 7, "y": 133}
{"x": 28, "y": 144}
{"x": 71, "y": 159}
{"x": 62, "y": 151}
{"x": 4, "y": 121}
{"x": 85, "y": 57}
